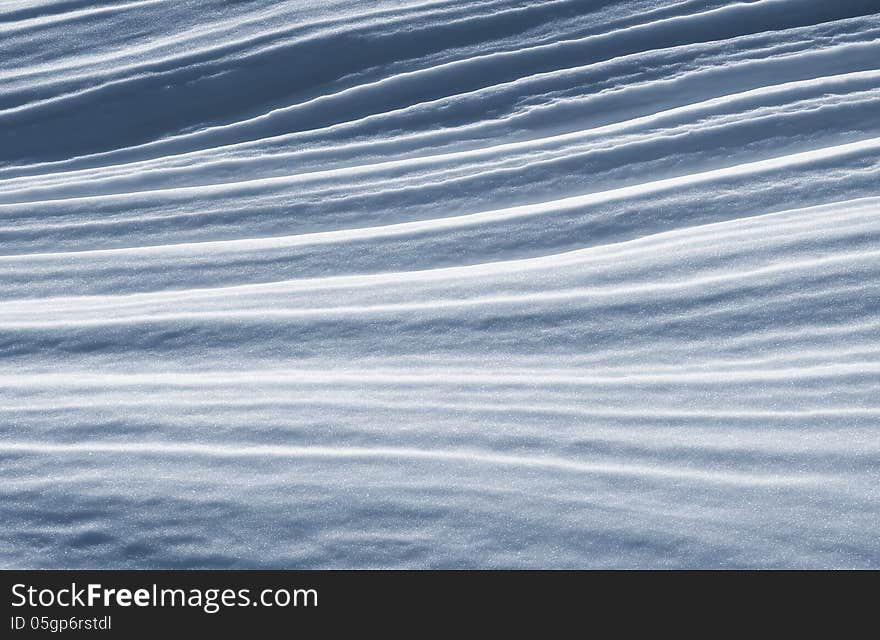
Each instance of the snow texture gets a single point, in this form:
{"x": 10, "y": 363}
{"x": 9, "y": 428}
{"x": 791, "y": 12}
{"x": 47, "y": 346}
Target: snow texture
{"x": 445, "y": 283}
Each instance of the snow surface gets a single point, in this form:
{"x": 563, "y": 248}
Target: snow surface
{"x": 452, "y": 283}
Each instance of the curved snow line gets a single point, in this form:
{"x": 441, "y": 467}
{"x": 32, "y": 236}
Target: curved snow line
{"x": 435, "y": 304}
{"x": 410, "y": 228}
{"x": 818, "y": 85}
{"x": 389, "y": 453}
{"x": 453, "y": 377}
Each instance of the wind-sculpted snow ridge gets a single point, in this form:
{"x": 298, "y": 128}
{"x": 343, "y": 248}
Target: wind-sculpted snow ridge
{"x": 453, "y": 283}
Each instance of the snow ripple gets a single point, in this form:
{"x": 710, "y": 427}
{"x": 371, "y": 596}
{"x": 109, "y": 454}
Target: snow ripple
{"x": 509, "y": 283}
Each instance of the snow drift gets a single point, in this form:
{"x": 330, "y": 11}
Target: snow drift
{"x": 496, "y": 283}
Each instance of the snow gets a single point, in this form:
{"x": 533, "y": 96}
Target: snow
{"x": 508, "y": 283}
